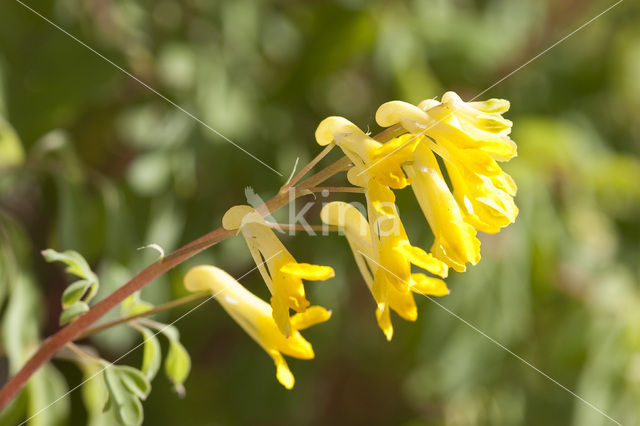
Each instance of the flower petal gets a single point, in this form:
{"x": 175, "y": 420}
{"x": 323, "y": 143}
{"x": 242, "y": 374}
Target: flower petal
{"x": 424, "y": 260}
{"x": 281, "y": 315}
{"x": 307, "y": 271}
{"x": 312, "y": 316}
{"x": 284, "y": 375}
{"x": 403, "y": 304}
{"x": 428, "y": 286}
{"x": 383, "y": 315}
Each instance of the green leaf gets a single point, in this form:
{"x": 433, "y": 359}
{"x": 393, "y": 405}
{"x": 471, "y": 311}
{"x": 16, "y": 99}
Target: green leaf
{"x": 125, "y": 405}
{"x": 44, "y": 388}
{"x": 134, "y": 380}
{"x": 94, "y": 395}
{"x": 76, "y": 264}
{"x": 178, "y": 363}
{"x": 19, "y": 325}
{"x": 152, "y": 355}
{"x": 13, "y": 413}
{"x": 74, "y": 293}
{"x": 169, "y": 331}
{"x": 76, "y": 297}
{"x": 73, "y": 311}
{"x": 19, "y": 336}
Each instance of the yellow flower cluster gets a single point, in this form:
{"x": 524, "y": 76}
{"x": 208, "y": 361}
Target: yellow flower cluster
{"x": 470, "y": 138}
{"x": 467, "y": 138}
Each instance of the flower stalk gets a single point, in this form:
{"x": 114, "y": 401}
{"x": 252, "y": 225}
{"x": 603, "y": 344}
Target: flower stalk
{"x": 76, "y": 329}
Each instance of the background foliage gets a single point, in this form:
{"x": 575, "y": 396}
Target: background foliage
{"x": 94, "y": 162}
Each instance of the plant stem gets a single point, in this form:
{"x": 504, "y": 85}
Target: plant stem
{"x": 82, "y": 354}
{"x": 306, "y": 168}
{"x": 353, "y": 189}
{"x": 160, "y": 308}
{"x": 76, "y": 328}
{"x": 288, "y": 226}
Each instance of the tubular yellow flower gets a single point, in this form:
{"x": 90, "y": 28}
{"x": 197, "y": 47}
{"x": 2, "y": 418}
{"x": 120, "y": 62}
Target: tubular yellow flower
{"x": 455, "y": 240}
{"x": 381, "y": 161}
{"x": 470, "y": 137}
{"x": 282, "y": 274}
{"x": 469, "y": 125}
{"x": 355, "y": 143}
{"x": 383, "y": 241}
{"x": 390, "y": 238}
{"x": 486, "y": 202}
{"x": 255, "y": 317}
{"x": 483, "y": 191}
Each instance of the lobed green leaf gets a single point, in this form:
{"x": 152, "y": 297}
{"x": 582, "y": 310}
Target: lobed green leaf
{"x": 177, "y": 364}
{"x": 152, "y": 356}
{"x": 73, "y": 311}
{"x": 76, "y": 264}
{"x": 134, "y": 380}
{"x": 124, "y": 402}
{"x": 74, "y": 293}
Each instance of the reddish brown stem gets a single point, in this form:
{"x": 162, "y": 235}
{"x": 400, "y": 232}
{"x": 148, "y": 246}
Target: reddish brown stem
{"x": 160, "y": 308}
{"x": 54, "y": 343}
{"x": 69, "y": 333}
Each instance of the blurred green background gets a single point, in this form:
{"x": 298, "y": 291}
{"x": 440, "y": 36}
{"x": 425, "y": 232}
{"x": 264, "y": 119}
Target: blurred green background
{"x": 97, "y": 163}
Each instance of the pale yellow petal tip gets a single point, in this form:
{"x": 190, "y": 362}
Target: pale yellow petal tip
{"x": 394, "y": 112}
{"x": 428, "y": 104}
{"x": 492, "y": 105}
{"x": 307, "y": 271}
{"x": 358, "y": 176}
{"x": 205, "y": 278}
{"x": 331, "y": 126}
{"x": 238, "y": 216}
{"x": 334, "y": 213}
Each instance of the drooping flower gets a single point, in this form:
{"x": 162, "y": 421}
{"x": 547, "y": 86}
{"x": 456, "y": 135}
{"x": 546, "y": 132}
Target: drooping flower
{"x": 469, "y": 125}
{"x": 390, "y": 238}
{"x": 384, "y": 255}
{"x": 255, "y": 316}
{"x": 282, "y": 274}
{"x": 455, "y": 241}
{"x": 470, "y": 138}
{"x": 381, "y": 161}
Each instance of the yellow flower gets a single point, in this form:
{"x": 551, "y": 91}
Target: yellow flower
{"x": 381, "y": 161}
{"x": 455, "y": 240}
{"x": 282, "y": 274}
{"x": 470, "y": 138}
{"x": 390, "y": 238}
{"x": 255, "y": 317}
{"x": 469, "y": 125}
{"x": 486, "y": 201}
{"x": 384, "y": 255}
